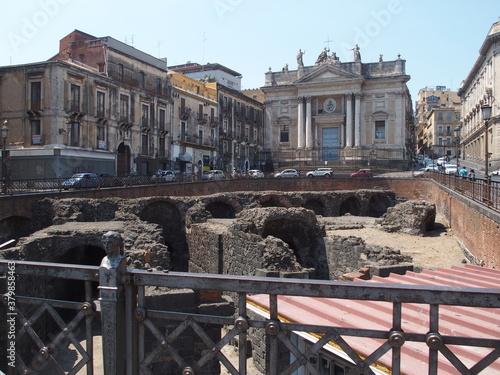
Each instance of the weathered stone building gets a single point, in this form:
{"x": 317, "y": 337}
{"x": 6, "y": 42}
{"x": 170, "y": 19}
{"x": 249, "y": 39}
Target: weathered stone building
{"x": 480, "y": 140}
{"x": 193, "y": 132}
{"x": 437, "y": 115}
{"x": 99, "y": 106}
{"x": 334, "y": 111}
{"x": 241, "y": 130}
{"x": 238, "y": 130}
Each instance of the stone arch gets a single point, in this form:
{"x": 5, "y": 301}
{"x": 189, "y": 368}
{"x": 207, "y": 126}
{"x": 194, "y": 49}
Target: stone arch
{"x": 223, "y": 208}
{"x": 299, "y": 231}
{"x": 168, "y": 216}
{"x": 350, "y": 205}
{"x": 315, "y": 205}
{"x": 274, "y": 200}
{"x": 14, "y": 227}
{"x": 79, "y": 248}
{"x": 378, "y": 204}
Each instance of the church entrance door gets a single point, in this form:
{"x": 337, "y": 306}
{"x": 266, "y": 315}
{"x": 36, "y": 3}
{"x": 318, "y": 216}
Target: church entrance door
{"x": 330, "y": 144}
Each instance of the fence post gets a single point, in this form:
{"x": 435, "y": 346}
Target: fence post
{"x": 111, "y": 297}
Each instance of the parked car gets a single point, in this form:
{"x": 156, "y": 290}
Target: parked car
{"x": 216, "y": 175}
{"x": 451, "y": 169}
{"x": 362, "y": 173}
{"x": 81, "y": 180}
{"x": 431, "y": 167}
{"x": 442, "y": 160}
{"x": 320, "y": 172}
{"x": 287, "y": 173}
{"x": 163, "y": 176}
{"x": 255, "y": 173}
{"x": 496, "y": 173}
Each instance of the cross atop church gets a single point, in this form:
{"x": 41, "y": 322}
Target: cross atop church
{"x": 327, "y": 41}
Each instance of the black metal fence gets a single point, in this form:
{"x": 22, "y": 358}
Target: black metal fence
{"x": 133, "y": 342}
{"x": 484, "y": 191}
{"x": 11, "y": 187}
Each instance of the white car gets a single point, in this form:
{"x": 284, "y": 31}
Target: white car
{"x": 163, "y": 176}
{"x": 216, "y": 175}
{"x": 320, "y": 172}
{"x": 451, "y": 169}
{"x": 431, "y": 167}
{"x": 255, "y": 173}
{"x": 441, "y": 160}
{"x": 496, "y": 173}
{"x": 287, "y": 173}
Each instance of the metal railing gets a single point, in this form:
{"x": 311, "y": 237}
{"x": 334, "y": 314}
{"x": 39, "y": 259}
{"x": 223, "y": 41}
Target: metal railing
{"x": 138, "y": 336}
{"x": 29, "y": 186}
{"x": 484, "y": 191}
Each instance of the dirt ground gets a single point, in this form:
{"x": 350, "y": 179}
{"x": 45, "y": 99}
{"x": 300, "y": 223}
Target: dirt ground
{"x": 436, "y": 249}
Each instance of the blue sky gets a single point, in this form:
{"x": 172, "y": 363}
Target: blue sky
{"x": 439, "y": 40}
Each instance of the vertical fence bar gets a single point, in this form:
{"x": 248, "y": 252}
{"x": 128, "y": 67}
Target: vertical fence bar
{"x": 242, "y": 345}
{"x": 433, "y": 339}
{"x": 131, "y": 328}
{"x": 396, "y": 327}
{"x": 113, "y": 321}
{"x": 141, "y": 329}
{"x": 273, "y": 338}
{"x": 88, "y": 329}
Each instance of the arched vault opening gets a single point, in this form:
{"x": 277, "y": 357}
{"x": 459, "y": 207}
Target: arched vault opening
{"x": 350, "y": 206}
{"x": 221, "y": 210}
{"x": 316, "y": 206}
{"x": 174, "y": 232}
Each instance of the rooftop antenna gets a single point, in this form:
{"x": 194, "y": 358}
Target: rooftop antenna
{"x": 203, "y": 57}
{"x": 160, "y": 42}
{"x": 131, "y": 39}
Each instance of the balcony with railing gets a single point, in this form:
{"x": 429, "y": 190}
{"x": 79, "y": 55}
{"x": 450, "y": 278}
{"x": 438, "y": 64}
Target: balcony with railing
{"x": 74, "y": 105}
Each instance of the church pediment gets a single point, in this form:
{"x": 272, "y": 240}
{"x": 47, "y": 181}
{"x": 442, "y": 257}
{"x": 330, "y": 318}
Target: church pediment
{"x": 328, "y": 73}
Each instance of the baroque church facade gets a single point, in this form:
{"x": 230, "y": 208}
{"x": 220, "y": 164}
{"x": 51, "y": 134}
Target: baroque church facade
{"x": 334, "y": 112}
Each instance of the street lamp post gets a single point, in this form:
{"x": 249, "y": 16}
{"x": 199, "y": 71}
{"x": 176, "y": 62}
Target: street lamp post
{"x": 456, "y": 133}
{"x": 5, "y": 133}
{"x": 486, "y": 110}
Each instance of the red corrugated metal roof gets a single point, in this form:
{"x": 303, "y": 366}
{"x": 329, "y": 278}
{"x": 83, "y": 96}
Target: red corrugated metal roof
{"x": 454, "y": 320}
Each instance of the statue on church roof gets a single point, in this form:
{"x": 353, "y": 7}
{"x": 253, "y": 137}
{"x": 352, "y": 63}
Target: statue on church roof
{"x": 300, "y": 63}
{"x": 322, "y": 56}
{"x": 357, "y": 55}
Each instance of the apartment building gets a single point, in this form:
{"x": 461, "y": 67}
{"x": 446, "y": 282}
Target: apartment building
{"x": 239, "y": 126}
{"x": 480, "y": 137}
{"x": 194, "y": 125}
{"x": 437, "y": 115}
{"x": 98, "y": 105}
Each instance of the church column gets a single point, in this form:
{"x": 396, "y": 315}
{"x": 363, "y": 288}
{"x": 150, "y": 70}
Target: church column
{"x": 300, "y": 127}
{"x": 357, "y": 120}
{"x": 309, "y": 135}
{"x": 348, "y": 114}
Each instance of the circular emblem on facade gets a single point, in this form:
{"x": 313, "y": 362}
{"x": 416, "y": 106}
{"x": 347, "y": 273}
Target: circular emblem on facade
{"x": 329, "y": 105}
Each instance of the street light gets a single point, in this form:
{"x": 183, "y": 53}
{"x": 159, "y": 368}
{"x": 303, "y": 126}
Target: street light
{"x": 5, "y": 133}
{"x": 456, "y": 133}
{"x": 486, "y": 110}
